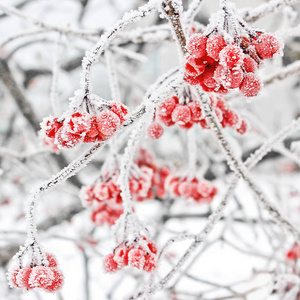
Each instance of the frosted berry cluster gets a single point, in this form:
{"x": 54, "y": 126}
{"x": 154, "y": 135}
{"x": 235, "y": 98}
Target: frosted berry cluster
{"x": 49, "y": 278}
{"x": 218, "y": 67}
{"x": 186, "y": 115}
{"x": 140, "y": 255}
{"x": 72, "y": 129}
{"x": 294, "y": 253}
{"x": 160, "y": 172}
{"x": 105, "y": 195}
{"x": 201, "y": 191}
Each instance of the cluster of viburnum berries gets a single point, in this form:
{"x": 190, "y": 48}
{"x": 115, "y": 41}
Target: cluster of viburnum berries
{"x": 171, "y": 112}
{"x": 49, "y": 278}
{"x": 74, "y": 128}
{"x": 104, "y": 196}
{"x": 219, "y": 67}
{"x": 200, "y": 190}
{"x": 140, "y": 254}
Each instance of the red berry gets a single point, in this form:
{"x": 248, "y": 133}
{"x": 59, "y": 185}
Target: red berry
{"x": 196, "y": 112}
{"x": 93, "y": 130}
{"x": 120, "y": 110}
{"x": 155, "y": 131}
{"x": 166, "y": 108}
{"x": 231, "y": 118}
{"x": 214, "y": 46}
{"x": 41, "y": 277}
{"x": 181, "y": 114}
{"x": 50, "y": 126}
{"x": 194, "y": 66}
{"x": 249, "y": 64}
{"x": 23, "y": 278}
{"x": 208, "y": 77}
{"x": 250, "y": 86}
{"x": 267, "y": 45}
{"x": 243, "y": 128}
{"x": 192, "y": 80}
{"x": 78, "y": 122}
{"x": 197, "y": 45}
{"x": 136, "y": 258}
{"x": 231, "y": 56}
{"x": 57, "y": 281}
{"x": 109, "y": 264}
{"x": 108, "y": 122}
{"x": 65, "y": 139}
{"x": 229, "y": 78}
{"x": 222, "y": 104}
{"x": 150, "y": 263}
{"x": 292, "y": 255}
{"x": 187, "y": 125}
{"x": 12, "y": 278}
{"x": 121, "y": 255}
{"x": 204, "y": 188}
{"x": 51, "y": 260}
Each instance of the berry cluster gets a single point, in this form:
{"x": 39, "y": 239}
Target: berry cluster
{"x": 218, "y": 67}
{"x": 186, "y": 115}
{"x": 81, "y": 127}
{"x": 294, "y": 253}
{"x": 201, "y": 191}
{"x": 140, "y": 255}
{"x": 49, "y": 278}
{"x": 105, "y": 195}
{"x": 160, "y": 172}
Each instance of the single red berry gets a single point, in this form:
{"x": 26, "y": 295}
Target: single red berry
{"x": 150, "y": 263}
{"x": 65, "y": 139}
{"x": 267, "y": 45}
{"x": 231, "y": 56}
{"x": 208, "y": 77}
{"x": 57, "y": 282}
{"x": 197, "y": 45}
{"x": 187, "y": 125}
{"x": 136, "y": 258}
{"x": 181, "y": 114}
{"x": 215, "y": 45}
{"x": 194, "y": 66}
{"x": 166, "y": 108}
{"x": 93, "y": 130}
{"x": 23, "y": 278}
{"x": 109, "y": 264}
{"x": 50, "y": 126}
{"x": 196, "y": 112}
{"x": 250, "y": 85}
{"x": 243, "y": 128}
{"x": 249, "y": 64}
{"x": 108, "y": 122}
{"x": 41, "y": 277}
{"x": 222, "y": 104}
{"x": 12, "y": 278}
{"x": 120, "y": 110}
{"x": 229, "y": 78}
{"x": 121, "y": 255}
{"x": 291, "y": 255}
{"x": 192, "y": 80}
{"x": 204, "y": 188}
{"x": 231, "y": 118}
{"x": 78, "y": 122}
{"x": 155, "y": 131}
{"x": 51, "y": 260}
